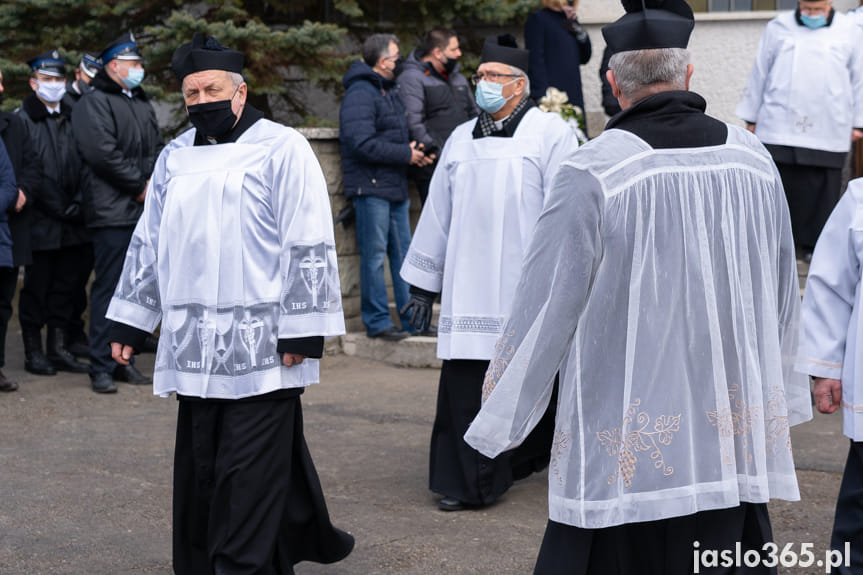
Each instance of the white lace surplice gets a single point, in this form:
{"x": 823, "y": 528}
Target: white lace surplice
{"x": 234, "y": 251}
{"x": 663, "y": 285}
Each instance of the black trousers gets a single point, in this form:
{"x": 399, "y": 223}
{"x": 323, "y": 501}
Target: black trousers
{"x": 848, "y": 521}
{"x": 664, "y": 547}
{"x": 109, "y": 254}
{"x": 80, "y": 299}
{"x": 50, "y": 287}
{"x": 812, "y": 193}
{"x": 455, "y": 468}
{"x": 8, "y": 284}
{"x": 247, "y": 498}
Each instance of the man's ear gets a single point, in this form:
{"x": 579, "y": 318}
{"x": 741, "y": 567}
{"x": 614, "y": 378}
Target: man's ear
{"x": 609, "y": 75}
{"x": 689, "y": 69}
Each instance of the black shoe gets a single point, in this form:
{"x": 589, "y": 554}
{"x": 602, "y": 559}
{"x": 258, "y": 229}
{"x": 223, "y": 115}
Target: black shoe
{"x": 59, "y": 356}
{"x": 34, "y": 359}
{"x": 77, "y": 343}
{"x": 103, "y": 383}
{"x": 450, "y": 504}
{"x": 128, "y": 374}
{"x": 391, "y": 334}
{"x": 430, "y": 331}
{"x": 151, "y": 343}
{"x": 7, "y": 385}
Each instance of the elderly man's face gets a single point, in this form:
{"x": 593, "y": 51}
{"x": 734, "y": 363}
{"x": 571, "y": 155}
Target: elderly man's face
{"x": 501, "y": 74}
{"x": 213, "y": 86}
{"x": 815, "y": 7}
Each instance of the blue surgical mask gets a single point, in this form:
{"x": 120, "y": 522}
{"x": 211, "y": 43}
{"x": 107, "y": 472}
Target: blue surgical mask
{"x": 814, "y": 21}
{"x": 489, "y": 96}
{"x": 51, "y": 92}
{"x": 133, "y": 80}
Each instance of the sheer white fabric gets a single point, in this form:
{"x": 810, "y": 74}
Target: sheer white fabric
{"x": 663, "y": 285}
{"x": 233, "y": 252}
{"x": 806, "y": 86}
{"x": 484, "y": 199}
{"x": 830, "y": 324}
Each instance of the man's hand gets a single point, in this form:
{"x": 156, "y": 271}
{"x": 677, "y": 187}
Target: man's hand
{"x": 828, "y": 394}
{"x": 750, "y": 126}
{"x": 121, "y": 353}
{"x": 419, "y": 307}
{"x": 856, "y": 134}
{"x": 569, "y": 11}
{"x": 140, "y": 197}
{"x": 21, "y": 201}
{"x": 291, "y": 359}
{"x": 418, "y": 158}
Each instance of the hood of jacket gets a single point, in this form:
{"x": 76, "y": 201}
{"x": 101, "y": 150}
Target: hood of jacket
{"x": 362, "y": 72}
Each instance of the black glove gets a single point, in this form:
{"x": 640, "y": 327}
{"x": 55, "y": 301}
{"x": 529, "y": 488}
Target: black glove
{"x": 420, "y": 307}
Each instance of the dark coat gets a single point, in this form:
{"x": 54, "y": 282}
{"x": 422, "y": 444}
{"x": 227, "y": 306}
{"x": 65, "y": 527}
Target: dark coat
{"x": 556, "y": 52}
{"x": 373, "y": 133}
{"x": 28, "y": 176}
{"x": 119, "y": 139}
{"x": 58, "y": 217}
{"x": 8, "y": 195}
{"x": 435, "y": 105}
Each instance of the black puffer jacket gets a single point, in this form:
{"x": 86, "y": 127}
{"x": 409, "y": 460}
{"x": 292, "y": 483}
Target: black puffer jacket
{"x": 119, "y": 139}
{"x": 58, "y": 217}
{"x": 28, "y": 177}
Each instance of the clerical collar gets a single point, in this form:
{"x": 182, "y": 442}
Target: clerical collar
{"x": 485, "y": 124}
{"x": 249, "y": 116}
{"x": 55, "y": 111}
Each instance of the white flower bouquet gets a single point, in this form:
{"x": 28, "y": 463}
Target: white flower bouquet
{"x": 558, "y": 102}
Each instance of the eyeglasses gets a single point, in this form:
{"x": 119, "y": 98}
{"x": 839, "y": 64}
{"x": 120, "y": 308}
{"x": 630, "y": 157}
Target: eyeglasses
{"x": 491, "y": 77}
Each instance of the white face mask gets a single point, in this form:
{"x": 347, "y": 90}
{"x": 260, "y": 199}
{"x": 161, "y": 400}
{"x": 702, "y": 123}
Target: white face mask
{"x": 51, "y": 92}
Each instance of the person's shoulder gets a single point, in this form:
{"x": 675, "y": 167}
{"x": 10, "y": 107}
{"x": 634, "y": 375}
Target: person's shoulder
{"x": 608, "y": 150}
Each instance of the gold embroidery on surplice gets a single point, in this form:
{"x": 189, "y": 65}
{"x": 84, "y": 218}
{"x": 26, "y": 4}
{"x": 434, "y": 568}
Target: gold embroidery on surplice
{"x": 738, "y": 419}
{"x": 503, "y": 353}
{"x": 777, "y": 427}
{"x": 626, "y": 444}
{"x": 559, "y": 444}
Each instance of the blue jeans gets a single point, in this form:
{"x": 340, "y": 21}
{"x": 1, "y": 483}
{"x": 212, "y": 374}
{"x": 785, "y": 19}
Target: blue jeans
{"x": 383, "y": 229}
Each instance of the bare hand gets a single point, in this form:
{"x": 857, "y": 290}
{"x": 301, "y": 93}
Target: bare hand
{"x": 121, "y": 353}
{"x": 140, "y": 197}
{"x": 856, "y": 134}
{"x": 21, "y": 201}
{"x": 828, "y": 394}
{"x": 291, "y": 359}
{"x": 569, "y": 11}
{"x": 418, "y": 158}
{"x": 750, "y": 127}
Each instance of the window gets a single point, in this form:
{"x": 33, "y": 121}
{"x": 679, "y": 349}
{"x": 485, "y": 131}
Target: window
{"x": 737, "y": 5}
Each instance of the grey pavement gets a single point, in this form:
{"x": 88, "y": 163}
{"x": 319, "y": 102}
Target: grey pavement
{"x": 85, "y": 479}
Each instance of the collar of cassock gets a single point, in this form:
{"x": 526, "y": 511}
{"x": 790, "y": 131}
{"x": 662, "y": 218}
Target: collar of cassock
{"x": 249, "y": 116}
{"x": 485, "y": 123}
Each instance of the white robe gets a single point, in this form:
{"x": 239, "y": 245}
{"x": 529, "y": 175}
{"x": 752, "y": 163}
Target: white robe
{"x": 233, "y": 252}
{"x": 483, "y": 202}
{"x": 663, "y": 285}
{"x": 806, "y": 86}
{"x": 830, "y": 320}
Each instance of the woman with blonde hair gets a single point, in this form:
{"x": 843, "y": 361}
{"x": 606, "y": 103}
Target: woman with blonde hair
{"x": 558, "y": 46}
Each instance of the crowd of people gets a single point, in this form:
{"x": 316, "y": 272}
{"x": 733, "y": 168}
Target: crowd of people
{"x": 625, "y": 313}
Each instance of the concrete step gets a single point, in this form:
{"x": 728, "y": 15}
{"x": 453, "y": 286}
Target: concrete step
{"x": 416, "y": 351}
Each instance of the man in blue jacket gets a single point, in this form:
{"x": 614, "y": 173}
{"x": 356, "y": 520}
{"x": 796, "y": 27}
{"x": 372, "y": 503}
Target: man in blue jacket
{"x": 376, "y": 151}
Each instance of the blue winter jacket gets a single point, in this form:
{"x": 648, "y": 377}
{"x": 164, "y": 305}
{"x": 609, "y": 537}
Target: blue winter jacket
{"x": 8, "y": 195}
{"x": 373, "y": 134}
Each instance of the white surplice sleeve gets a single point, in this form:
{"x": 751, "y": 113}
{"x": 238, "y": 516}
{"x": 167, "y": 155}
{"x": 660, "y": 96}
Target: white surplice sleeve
{"x": 753, "y": 93}
{"x": 555, "y": 282}
{"x": 831, "y": 288}
{"x": 136, "y": 301}
{"x": 311, "y": 300}
{"x": 856, "y": 69}
{"x": 424, "y": 264}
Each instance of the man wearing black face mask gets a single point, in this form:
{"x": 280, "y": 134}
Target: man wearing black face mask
{"x": 118, "y": 137}
{"x": 235, "y": 254}
{"x": 436, "y": 96}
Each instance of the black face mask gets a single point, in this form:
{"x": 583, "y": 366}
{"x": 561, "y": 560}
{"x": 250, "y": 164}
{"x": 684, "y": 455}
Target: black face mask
{"x": 449, "y": 65}
{"x": 212, "y": 118}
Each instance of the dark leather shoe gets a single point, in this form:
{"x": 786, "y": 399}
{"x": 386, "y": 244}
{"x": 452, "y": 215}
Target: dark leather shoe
{"x": 78, "y": 345}
{"x": 6, "y": 385}
{"x": 36, "y": 362}
{"x": 59, "y": 356}
{"x": 128, "y": 374}
{"x": 430, "y": 331}
{"x": 391, "y": 334}
{"x": 103, "y": 383}
{"x": 450, "y": 504}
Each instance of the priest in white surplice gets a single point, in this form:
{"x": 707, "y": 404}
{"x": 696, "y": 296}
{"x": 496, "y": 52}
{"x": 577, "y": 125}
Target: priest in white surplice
{"x": 485, "y": 196}
{"x": 804, "y": 101}
{"x": 831, "y": 350}
{"x": 661, "y": 281}
{"x": 234, "y": 254}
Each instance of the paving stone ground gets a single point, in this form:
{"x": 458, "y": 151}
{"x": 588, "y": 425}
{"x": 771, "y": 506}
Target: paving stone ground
{"x": 85, "y": 479}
